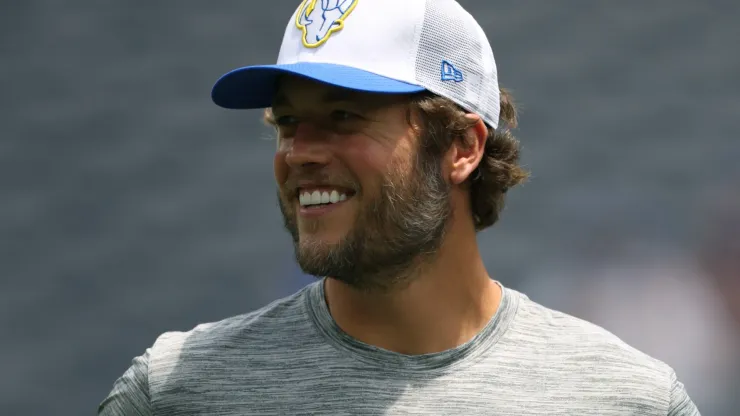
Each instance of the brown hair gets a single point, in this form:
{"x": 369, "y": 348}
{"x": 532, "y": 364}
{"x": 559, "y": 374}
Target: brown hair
{"x": 443, "y": 121}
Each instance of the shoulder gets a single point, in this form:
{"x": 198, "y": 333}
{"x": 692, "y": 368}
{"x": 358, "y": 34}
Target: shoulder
{"x": 578, "y": 355}
{"x": 575, "y": 338}
{"x": 267, "y": 325}
{"x": 182, "y": 360}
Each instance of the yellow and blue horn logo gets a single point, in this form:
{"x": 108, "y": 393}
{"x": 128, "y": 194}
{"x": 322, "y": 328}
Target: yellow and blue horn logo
{"x": 318, "y": 24}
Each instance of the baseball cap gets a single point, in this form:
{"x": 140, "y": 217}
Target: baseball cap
{"x": 380, "y": 46}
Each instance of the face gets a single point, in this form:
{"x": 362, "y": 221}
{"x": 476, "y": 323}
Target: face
{"x": 362, "y": 204}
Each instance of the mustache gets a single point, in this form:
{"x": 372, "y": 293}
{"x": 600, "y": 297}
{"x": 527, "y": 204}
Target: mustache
{"x": 294, "y": 180}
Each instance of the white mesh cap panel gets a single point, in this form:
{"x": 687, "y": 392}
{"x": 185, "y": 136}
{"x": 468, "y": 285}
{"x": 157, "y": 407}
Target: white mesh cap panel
{"x": 450, "y": 34}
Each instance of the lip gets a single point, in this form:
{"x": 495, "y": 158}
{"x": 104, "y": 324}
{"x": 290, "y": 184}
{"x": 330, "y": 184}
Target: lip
{"x": 315, "y": 212}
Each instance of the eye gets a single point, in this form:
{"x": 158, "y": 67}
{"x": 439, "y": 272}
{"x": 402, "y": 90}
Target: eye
{"x": 341, "y": 115}
{"x": 286, "y": 121}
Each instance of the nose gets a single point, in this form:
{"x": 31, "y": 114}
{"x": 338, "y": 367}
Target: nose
{"x": 308, "y": 147}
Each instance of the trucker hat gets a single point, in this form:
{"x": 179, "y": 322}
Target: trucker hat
{"x": 380, "y": 46}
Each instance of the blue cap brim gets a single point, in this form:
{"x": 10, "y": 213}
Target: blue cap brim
{"x": 255, "y": 86}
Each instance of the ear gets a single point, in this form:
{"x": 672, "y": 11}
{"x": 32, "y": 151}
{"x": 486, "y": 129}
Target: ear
{"x": 465, "y": 155}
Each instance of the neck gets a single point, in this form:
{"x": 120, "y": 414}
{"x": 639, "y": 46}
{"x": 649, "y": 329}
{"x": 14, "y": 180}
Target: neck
{"x": 445, "y": 306}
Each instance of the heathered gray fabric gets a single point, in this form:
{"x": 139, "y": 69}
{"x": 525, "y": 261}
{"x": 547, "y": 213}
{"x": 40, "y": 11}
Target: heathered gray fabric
{"x": 290, "y": 358}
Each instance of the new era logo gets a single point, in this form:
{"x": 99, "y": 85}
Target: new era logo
{"x": 450, "y": 73}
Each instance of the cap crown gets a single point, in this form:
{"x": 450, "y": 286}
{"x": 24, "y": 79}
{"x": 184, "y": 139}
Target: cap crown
{"x": 435, "y": 44}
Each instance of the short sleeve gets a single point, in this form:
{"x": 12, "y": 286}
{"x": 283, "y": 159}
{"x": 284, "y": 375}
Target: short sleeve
{"x": 130, "y": 393}
{"x": 680, "y": 402}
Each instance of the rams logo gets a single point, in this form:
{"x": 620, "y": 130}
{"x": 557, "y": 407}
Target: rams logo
{"x": 318, "y": 25}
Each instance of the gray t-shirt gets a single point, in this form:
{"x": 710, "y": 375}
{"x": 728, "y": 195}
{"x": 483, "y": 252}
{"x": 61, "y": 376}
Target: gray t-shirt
{"x": 291, "y": 358}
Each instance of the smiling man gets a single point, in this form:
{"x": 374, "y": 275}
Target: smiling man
{"x": 393, "y": 152}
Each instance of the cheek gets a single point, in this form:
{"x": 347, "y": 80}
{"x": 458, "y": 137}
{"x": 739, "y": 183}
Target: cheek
{"x": 378, "y": 161}
{"x": 373, "y": 153}
{"x": 368, "y": 165}
{"x": 280, "y": 167}
{"x": 364, "y": 160}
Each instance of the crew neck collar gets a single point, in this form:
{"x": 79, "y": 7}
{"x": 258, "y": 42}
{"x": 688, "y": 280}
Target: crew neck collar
{"x": 453, "y": 358}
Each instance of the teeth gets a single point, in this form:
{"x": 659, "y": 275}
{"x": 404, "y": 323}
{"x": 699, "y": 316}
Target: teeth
{"x": 318, "y": 197}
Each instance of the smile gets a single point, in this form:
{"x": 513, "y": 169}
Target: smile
{"x": 319, "y": 201}
{"x": 309, "y": 198}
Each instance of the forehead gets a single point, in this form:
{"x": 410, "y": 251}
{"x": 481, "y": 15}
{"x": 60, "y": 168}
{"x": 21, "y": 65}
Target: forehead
{"x": 294, "y": 91}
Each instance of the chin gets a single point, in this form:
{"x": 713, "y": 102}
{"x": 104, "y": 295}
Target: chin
{"x": 330, "y": 230}
{"x": 322, "y": 238}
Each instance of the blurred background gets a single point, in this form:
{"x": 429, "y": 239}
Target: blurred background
{"x": 130, "y": 205}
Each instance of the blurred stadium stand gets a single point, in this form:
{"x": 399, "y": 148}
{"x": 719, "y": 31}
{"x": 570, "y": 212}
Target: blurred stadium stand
{"x": 131, "y": 205}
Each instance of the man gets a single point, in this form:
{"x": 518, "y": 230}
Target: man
{"x": 393, "y": 151}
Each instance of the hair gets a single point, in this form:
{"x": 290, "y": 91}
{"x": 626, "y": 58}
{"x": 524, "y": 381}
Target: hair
{"x": 442, "y": 121}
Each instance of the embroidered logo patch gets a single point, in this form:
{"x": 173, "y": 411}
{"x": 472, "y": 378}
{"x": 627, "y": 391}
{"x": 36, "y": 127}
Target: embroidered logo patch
{"x": 450, "y": 73}
{"x": 319, "y": 24}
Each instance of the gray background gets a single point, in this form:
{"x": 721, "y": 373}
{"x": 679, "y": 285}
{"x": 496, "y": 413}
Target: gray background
{"x": 131, "y": 205}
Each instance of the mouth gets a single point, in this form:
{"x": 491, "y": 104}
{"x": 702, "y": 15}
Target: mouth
{"x": 321, "y": 200}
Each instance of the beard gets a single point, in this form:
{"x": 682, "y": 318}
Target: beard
{"x": 393, "y": 235}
